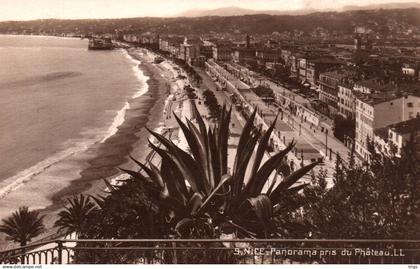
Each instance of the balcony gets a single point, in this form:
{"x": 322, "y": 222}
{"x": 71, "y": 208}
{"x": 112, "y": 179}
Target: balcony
{"x": 215, "y": 251}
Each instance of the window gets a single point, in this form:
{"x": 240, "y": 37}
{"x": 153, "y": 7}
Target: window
{"x": 410, "y": 104}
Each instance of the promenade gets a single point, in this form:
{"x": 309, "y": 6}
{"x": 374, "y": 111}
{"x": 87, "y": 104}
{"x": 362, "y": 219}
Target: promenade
{"x": 303, "y": 154}
{"x": 237, "y": 120}
{"x": 298, "y": 114}
{"x": 264, "y": 118}
{"x": 307, "y": 149}
{"x": 325, "y": 143}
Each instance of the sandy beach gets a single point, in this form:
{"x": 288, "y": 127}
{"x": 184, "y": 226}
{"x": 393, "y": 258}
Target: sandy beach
{"x": 101, "y": 160}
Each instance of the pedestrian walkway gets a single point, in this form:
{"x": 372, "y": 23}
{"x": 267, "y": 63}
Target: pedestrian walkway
{"x": 319, "y": 138}
{"x": 236, "y": 123}
{"x": 303, "y": 149}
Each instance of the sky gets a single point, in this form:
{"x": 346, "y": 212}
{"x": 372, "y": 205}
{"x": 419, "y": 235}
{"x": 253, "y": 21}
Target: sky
{"x": 80, "y": 9}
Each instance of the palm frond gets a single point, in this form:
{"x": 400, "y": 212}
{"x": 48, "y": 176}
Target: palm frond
{"x": 23, "y": 225}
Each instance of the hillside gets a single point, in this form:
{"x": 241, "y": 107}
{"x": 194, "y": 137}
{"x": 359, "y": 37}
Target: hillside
{"x": 384, "y": 22}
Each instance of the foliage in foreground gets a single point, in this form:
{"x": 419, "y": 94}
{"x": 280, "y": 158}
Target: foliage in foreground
{"x": 22, "y": 226}
{"x": 375, "y": 200}
{"x": 74, "y": 217}
{"x": 198, "y": 195}
{"x": 193, "y": 195}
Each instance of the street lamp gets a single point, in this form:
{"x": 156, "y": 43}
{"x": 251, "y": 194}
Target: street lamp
{"x": 326, "y": 143}
{"x": 301, "y": 156}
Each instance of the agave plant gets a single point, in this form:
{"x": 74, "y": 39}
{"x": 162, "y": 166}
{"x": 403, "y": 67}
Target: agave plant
{"x": 196, "y": 189}
{"x": 22, "y": 226}
{"x": 73, "y": 218}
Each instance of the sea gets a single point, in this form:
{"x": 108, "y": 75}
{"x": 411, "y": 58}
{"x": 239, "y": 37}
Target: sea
{"x": 57, "y": 99}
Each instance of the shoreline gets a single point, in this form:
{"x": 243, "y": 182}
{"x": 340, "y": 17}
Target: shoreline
{"x": 130, "y": 139}
{"x": 103, "y": 159}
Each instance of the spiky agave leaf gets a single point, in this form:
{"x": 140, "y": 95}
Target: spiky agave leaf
{"x": 262, "y": 207}
{"x": 142, "y": 166}
{"x": 225, "y": 179}
{"x": 205, "y": 163}
{"x": 255, "y": 185}
{"x": 273, "y": 182}
{"x": 195, "y": 144}
{"x": 199, "y": 119}
{"x": 213, "y": 156}
{"x": 109, "y": 186}
{"x": 257, "y": 182}
{"x": 246, "y": 145}
{"x": 242, "y": 163}
{"x": 222, "y": 137}
{"x": 163, "y": 186}
{"x": 185, "y": 163}
{"x": 209, "y": 194}
{"x": 290, "y": 180}
{"x": 195, "y": 203}
{"x": 261, "y": 149}
{"x": 100, "y": 200}
{"x": 174, "y": 180}
{"x": 289, "y": 197}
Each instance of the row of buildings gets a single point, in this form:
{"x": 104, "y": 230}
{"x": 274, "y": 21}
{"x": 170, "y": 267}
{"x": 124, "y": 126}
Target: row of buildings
{"x": 353, "y": 82}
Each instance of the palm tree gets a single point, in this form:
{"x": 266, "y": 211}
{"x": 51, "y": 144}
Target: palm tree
{"x": 197, "y": 191}
{"x": 73, "y": 219}
{"x": 22, "y": 226}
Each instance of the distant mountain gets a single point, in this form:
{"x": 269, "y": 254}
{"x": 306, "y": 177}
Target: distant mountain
{"x": 225, "y": 11}
{"x": 238, "y": 11}
{"x": 384, "y": 6}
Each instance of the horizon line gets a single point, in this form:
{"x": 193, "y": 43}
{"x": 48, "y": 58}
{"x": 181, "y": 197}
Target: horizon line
{"x": 255, "y": 12}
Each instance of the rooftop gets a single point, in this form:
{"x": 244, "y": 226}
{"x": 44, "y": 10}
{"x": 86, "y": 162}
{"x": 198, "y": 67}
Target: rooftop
{"x": 406, "y": 127}
{"x": 323, "y": 60}
{"x": 376, "y": 98}
{"x": 346, "y": 84}
{"x": 194, "y": 40}
{"x": 409, "y": 88}
{"x": 222, "y": 43}
{"x": 375, "y": 84}
{"x": 382, "y": 133}
{"x": 339, "y": 74}
{"x": 174, "y": 39}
